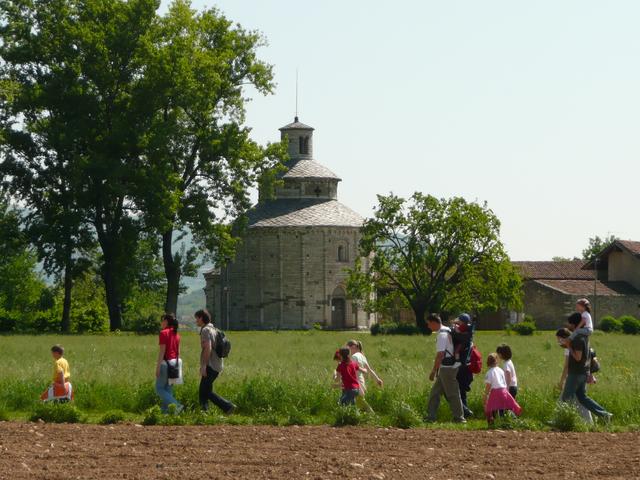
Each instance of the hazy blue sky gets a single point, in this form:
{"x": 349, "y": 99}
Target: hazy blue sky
{"x": 533, "y": 106}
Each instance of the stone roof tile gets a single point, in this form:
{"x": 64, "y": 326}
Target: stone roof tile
{"x": 309, "y": 169}
{"x": 303, "y": 213}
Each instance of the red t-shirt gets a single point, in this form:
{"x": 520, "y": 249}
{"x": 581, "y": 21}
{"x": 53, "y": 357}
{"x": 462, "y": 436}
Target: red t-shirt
{"x": 172, "y": 340}
{"x": 347, "y": 371}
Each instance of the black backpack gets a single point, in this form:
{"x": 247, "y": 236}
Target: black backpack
{"x": 223, "y": 344}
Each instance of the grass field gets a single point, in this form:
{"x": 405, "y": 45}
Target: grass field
{"x": 285, "y": 377}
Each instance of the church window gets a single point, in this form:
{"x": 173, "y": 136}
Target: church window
{"x": 342, "y": 254}
{"x": 303, "y": 145}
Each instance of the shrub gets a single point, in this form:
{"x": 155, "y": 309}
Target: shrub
{"x": 610, "y": 324}
{"x": 54, "y": 412}
{"x": 524, "y": 328}
{"x": 89, "y": 320}
{"x": 393, "y": 328}
{"x": 111, "y": 417}
{"x": 152, "y": 416}
{"x": 566, "y": 418}
{"x": 8, "y": 320}
{"x": 630, "y": 325}
{"x": 346, "y": 416}
{"x": 403, "y": 416}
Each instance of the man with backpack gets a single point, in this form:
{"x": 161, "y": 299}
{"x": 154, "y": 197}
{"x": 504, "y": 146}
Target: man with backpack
{"x": 443, "y": 374}
{"x": 214, "y": 347}
{"x": 579, "y": 368}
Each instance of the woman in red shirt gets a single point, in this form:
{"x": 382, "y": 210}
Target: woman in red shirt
{"x": 168, "y": 354}
{"x": 347, "y": 370}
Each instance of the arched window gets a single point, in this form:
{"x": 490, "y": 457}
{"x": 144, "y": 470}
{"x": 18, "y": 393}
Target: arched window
{"x": 342, "y": 254}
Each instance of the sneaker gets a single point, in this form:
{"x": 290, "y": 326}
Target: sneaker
{"x": 468, "y": 413}
{"x": 459, "y": 420}
{"x": 231, "y": 409}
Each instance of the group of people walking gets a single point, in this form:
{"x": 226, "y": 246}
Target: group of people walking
{"x": 455, "y": 363}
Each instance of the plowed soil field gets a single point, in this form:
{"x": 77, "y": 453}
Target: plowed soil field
{"x": 36, "y": 450}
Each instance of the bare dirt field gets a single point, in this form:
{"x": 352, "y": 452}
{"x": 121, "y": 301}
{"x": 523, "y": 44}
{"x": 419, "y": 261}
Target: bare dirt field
{"x": 29, "y": 450}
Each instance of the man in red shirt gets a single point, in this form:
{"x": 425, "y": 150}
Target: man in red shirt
{"x": 348, "y": 371}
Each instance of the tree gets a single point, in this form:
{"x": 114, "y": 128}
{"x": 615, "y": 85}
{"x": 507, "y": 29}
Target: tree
{"x": 82, "y": 61}
{"x": 597, "y": 245}
{"x": 436, "y": 255}
{"x": 199, "y": 155}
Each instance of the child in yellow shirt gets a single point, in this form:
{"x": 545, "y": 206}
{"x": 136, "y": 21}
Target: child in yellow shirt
{"x": 60, "y": 388}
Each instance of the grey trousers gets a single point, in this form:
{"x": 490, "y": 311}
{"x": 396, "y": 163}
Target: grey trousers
{"x": 446, "y": 384}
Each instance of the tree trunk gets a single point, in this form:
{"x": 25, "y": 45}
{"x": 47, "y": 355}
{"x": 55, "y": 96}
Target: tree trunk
{"x": 111, "y": 291}
{"x": 421, "y": 322}
{"x": 172, "y": 272}
{"x": 66, "y": 304}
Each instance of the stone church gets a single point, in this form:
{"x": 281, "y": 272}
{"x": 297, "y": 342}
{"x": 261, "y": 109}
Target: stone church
{"x": 290, "y": 271}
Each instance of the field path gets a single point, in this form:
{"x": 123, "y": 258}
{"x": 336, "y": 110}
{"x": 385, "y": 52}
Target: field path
{"x": 43, "y": 451}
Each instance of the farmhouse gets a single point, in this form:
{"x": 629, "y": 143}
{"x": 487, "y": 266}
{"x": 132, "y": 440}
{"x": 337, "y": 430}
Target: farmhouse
{"x": 291, "y": 269}
{"x": 611, "y": 281}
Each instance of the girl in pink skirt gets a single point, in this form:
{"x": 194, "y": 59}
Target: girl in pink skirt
{"x": 496, "y": 396}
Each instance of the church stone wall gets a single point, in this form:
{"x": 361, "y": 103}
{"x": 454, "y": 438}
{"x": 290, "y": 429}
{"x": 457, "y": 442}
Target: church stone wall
{"x": 285, "y": 278}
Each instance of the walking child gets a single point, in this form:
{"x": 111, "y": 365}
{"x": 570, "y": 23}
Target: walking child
{"x": 60, "y": 389}
{"x": 355, "y": 348}
{"x": 496, "y": 397}
{"x": 347, "y": 369}
{"x": 504, "y": 352}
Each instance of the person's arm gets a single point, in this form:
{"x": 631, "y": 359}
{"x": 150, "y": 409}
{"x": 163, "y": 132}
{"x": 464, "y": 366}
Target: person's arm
{"x": 205, "y": 344}
{"x": 576, "y": 354}
{"x": 485, "y": 394}
{"x": 160, "y": 359}
{"x": 436, "y": 365}
{"x": 565, "y": 372}
{"x": 60, "y": 376}
{"x": 374, "y": 374}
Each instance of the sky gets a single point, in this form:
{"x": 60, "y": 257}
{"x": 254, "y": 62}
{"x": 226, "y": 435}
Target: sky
{"x": 533, "y": 107}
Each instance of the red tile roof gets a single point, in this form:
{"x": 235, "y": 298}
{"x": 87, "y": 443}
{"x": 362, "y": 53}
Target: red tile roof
{"x": 585, "y": 287}
{"x": 633, "y": 247}
{"x": 569, "y": 270}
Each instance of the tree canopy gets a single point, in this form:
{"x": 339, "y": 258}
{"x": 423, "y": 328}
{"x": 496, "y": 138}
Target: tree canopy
{"x": 434, "y": 255}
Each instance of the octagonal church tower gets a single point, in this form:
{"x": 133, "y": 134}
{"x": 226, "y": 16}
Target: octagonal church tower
{"x": 290, "y": 271}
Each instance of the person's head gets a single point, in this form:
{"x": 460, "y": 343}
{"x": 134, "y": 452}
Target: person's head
{"x": 504, "y": 352}
{"x": 336, "y": 356}
{"x": 355, "y": 346}
{"x": 573, "y": 321}
{"x": 344, "y": 354}
{"x": 434, "y": 321}
{"x": 202, "y": 318}
{"x": 492, "y": 360}
{"x": 583, "y": 305}
{"x": 169, "y": 320}
{"x": 562, "y": 335}
{"x": 465, "y": 318}
{"x": 57, "y": 351}
{"x": 460, "y": 326}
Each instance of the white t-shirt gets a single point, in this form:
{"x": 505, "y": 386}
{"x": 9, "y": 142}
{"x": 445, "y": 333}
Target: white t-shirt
{"x": 507, "y": 366}
{"x": 444, "y": 343}
{"x": 588, "y": 322}
{"x": 495, "y": 378}
{"x": 361, "y": 360}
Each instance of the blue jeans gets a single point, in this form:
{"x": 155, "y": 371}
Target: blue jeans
{"x": 576, "y": 387}
{"x": 348, "y": 397}
{"x": 164, "y": 390}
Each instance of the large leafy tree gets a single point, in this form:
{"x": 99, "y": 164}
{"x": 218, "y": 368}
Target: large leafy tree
{"x": 434, "y": 255}
{"x": 200, "y": 158}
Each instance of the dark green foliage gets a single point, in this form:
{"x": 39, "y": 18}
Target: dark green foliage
{"x": 112, "y": 417}
{"x": 393, "y": 328}
{"x": 610, "y": 324}
{"x": 346, "y": 416}
{"x": 54, "y": 412}
{"x": 597, "y": 245}
{"x": 630, "y": 325}
{"x": 524, "y": 328}
{"x": 4, "y": 415}
{"x": 566, "y": 418}
{"x": 403, "y": 416}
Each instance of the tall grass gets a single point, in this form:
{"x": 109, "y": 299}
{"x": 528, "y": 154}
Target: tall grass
{"x": 286, "y": 376}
